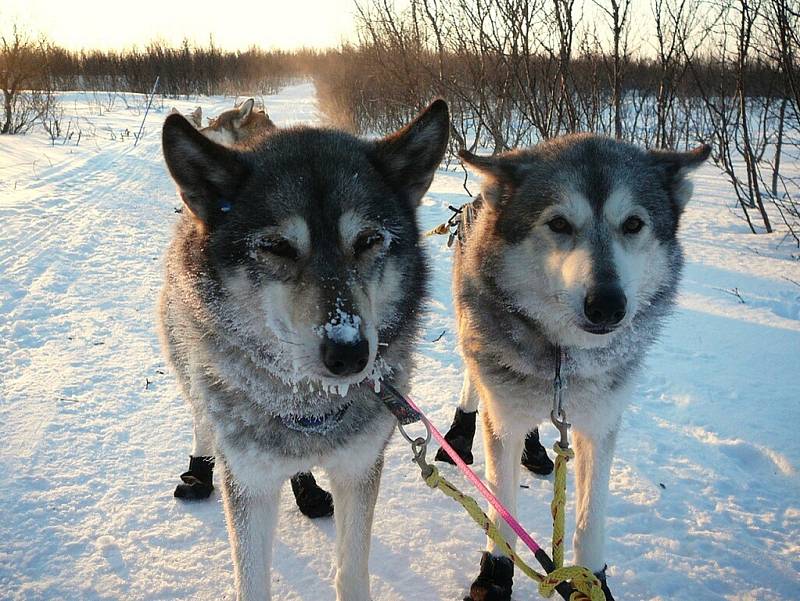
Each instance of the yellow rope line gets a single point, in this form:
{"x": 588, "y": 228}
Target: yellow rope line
{"x": 587, "y": 586}
{"x": 557, "y": 507}
{"x": 436, "y": 480}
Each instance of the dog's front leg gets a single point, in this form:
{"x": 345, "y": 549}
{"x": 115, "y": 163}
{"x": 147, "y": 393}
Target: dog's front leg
{"x": 468, "y": 400}
{"x": 354, "y": 496}
{"x": 502, "y": 474}
{"x": 495, "y": 580}
{"x": 202, "y": 438}
{"x": 593, "y": 457}
{"x": 251, "y": 516}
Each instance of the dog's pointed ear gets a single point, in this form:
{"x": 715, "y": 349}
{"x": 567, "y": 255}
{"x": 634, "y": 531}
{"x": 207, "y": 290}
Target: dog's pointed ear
{"x": 245, "y": 109}
{"x": 207, "y": 173}
{"x": 486, "y": 165}
{"x": 197, "y": 117}
{"x": 675, "y": 167}
{"x": 408, "y": 158}
{"x": 501, "y": 174}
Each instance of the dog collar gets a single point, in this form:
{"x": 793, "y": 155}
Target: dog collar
{"x": 316, "y": 424}
{"x": 395, "y": 403}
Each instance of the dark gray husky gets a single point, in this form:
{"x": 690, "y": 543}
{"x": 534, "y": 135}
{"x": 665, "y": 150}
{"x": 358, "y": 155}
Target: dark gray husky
{"x": 573, "y": 254}
{"x": 294, "y": 275}
{"x": 239, "y": 125}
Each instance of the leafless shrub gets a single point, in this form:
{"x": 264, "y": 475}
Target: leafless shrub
{"x": 618, "y": 14}
{"x": 673, "y": 25}
{"x": 783, "y": 33}
{"x": 183, "y": 71}
{"x": 519, "y": 71}
{"x": 739, "y": 123}
{"x": 52, "y": 117}
{"x": 515, "y": 71}
{"x": 24, "y": 81}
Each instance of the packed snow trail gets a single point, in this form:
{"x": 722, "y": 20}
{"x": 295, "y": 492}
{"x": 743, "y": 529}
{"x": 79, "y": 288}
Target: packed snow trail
{"x": 705, "y": 489}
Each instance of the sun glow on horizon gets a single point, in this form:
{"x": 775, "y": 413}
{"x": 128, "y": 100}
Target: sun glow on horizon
{"x": 92, "y": 24}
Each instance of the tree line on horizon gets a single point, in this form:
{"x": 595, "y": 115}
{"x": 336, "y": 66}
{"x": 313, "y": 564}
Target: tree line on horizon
{"x": 514, "y": 72}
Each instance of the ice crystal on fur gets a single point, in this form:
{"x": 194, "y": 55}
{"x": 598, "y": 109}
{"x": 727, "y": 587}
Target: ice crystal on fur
{"x": 342, "y": 327}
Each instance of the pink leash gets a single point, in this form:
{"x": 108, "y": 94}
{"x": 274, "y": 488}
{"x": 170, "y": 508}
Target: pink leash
{"x": 407, "y": 412}
{"x": 472, "y": 477}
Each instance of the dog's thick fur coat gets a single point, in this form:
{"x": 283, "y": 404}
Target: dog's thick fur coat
{"x": 575, "y": 248}
{"x": 294, "y": 274}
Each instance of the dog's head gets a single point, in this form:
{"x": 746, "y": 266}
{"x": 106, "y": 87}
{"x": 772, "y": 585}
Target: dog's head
{"x": 195, "y": 117}
{"x": 238, "y": 124}
{"x": 310, "y": 238}
{"x": 581, "y": 231}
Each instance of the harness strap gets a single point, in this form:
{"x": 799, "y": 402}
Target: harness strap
{"x": 460, "y": 222}
{"x": 397, "y": 405}
{"x": 436, "y": 480}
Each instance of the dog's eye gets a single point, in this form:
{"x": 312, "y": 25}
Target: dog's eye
{"x": 559, "y": 225}
{"x": 367, "y": 240}
{"x": 632, "y": 225}
{"x": 280, "y": 247}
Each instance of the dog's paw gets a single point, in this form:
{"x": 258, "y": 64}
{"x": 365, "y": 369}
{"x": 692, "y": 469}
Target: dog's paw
{"x": 195, "y": 491}
{"x": 313, "y": 501}
{"x": 461, "y": 447}
{"x": 534, "y": 456}
{"x": 460, "y": 437}
{"x": 198, "y": 481}
{"x": 495, "y": 581}
{"x": 486, "y": 591}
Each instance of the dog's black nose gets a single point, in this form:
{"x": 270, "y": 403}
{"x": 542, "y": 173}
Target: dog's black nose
{"x": 345, "y": 359}
{"x": 605, "y": 305}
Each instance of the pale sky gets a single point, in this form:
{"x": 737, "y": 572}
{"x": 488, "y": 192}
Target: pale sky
{"x": 234, "y": 24}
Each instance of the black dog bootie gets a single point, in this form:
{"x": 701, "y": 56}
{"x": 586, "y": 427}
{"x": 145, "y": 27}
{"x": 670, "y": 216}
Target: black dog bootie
{"x": 460, "y": 436}
{"x": 313, "y": 501}
{"x": 602, "y": 576}
{"x": 495, "y": 580}
{"x": 198, "y": 482}
{"x": 534, "y": 457}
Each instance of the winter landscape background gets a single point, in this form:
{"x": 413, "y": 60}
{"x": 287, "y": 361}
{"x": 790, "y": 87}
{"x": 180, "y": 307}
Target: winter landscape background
{"x": 705, "y": 497}
{"x": 705, "y": 489}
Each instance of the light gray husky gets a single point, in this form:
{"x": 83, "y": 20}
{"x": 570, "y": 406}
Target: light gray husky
{"x": 295, "y": 274}
{"x": 573, "y": 254}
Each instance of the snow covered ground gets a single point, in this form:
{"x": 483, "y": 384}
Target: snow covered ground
{"x": 705, "y": 488}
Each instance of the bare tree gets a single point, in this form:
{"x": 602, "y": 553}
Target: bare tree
{"x": 674, "y": 21}
{"x": 23, "y": 67}
{"x": 618, "y": 15}
{"x": 783, "y": 29}
{"x": 748, "y": 13}
{"x": 564, "y": 11}
{"x": 738, "y": 122}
